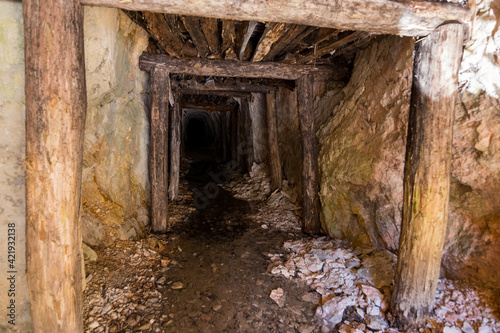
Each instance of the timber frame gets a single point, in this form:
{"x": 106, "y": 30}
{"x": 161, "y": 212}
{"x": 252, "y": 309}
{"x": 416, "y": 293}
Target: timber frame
{"x": 56, "y": 107}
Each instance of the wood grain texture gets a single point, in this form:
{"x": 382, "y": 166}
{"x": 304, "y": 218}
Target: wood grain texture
{"x": 247, "y": 134}
{"x": 204, "y": 67}
{"x": 159, "y": 29}
{"x": 210, "y": 29}
{"x": 158, "y": 158}
{"x": 311, "y": 223}
{"x": 406, "y": 18}
{"x": 274, "y": 152}
{"x": 56, "y": 105}
{"x": 175, "y": 148}
{"x": 329, "y": 47}
{"x": 193, "y": 26}
{"x": 427, "y": 173}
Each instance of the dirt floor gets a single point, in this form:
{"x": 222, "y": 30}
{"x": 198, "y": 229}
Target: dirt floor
{"x": 235, "y": 260}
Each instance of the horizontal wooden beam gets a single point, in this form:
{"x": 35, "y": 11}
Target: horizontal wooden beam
{"x": 209, "y": 107}
{"x": 225, "y": 93}
{"x": 203, "y": 67}
{"x": 251, "y": 88}
{"x": 408, "y": 18}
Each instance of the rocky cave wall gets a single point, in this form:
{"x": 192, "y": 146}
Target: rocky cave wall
{"x": 362, "y": 130}
{"x": 115, "y": 175}
{"x": 115, "y": 164}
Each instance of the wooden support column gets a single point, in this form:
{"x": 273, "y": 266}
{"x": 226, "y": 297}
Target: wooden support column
{"x": 234, "y": 136}
{"x": 247, "y": 134}
{"x": 158, "y": 167}
{"x": 175, "y": 148}
{"x": 56, "y": 104}
{"x": 272, "y": 133}
{"x": 427, "y": 173}
{"x": 223, "y": 131}
{"x": 311, "y": 223}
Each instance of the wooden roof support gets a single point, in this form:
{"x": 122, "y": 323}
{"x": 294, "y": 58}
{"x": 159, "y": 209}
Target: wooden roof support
{"x": 246, "y": 38}
{"x": 228, "y": 36}
{"x": 225, "y": 93}
{"x": 273, "y": 32}
{"x": 290, "y": 38}
{"x": 249, "y": 88}
{"x": 211, "y": 31}
{"x": 427, "y": 174}
{"x": 56, "y": 105}
{"x": 158, "y": 28}
{"x": 333, "y": 46}
{"x": 209, "y": 107}
{"x": 193, "y": 26}
{"x": 203, "y": 67}
{"x": 408, "y": 18}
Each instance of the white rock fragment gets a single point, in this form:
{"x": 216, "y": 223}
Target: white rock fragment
{"x": 278, "y": 295}
{"x": 331, "y": 311}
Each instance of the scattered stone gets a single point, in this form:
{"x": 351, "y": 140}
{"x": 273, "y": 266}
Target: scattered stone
{"x": 177, "y": 286}
{"x": 278, "y": 295}
{"x": 88, "y": 254}
{"x": 217, "y": 307}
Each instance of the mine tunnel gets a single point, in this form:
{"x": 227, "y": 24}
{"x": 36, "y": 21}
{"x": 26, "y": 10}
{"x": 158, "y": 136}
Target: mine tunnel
{"x": 263, "y": 167}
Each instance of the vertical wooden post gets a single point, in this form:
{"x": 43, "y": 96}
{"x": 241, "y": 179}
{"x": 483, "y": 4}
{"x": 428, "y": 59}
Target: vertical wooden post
{"x": 234, "y": 137}
{"x": 272, "y": 130}
{"x": 56, "y": 105}
{"x": 175, "y": 148}
{"x": 247, "y": 134}
{"x": 158, "y": 159}
{"x": 311, "y": 223}
{"x": 223, "y": 131}
{"x": 427, "y": 173}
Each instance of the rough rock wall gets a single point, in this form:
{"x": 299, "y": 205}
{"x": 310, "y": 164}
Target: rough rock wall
{"x": 363, "y": 146}
{"x": 12, "y": 150}
{"x": 472, "y": 249}
{"x": 115, "y": 173}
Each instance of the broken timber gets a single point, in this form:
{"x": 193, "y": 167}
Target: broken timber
{"x": 427, "y": 173}
{"x": 408, "y": 18}
{"x": 272, "y": 130}
{"x": 158, "y": 167}
{"x": 56, "y": 105}
{"x": 224, "y": 68}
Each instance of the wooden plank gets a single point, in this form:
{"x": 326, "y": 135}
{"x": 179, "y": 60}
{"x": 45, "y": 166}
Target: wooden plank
{"x": 210, "y": 29}
{"x": 193, "y": 26}
{"x": 224, "y": 132}
{"x": 427, "y": 173}
{"x": 311, "y": 223}
{"x": 356, "y": 46}
{"x": 298, "y": 39}
{"x": 226, "y": 93}
{"x": 329, "y": 47}
{"x": 208, "y": 107}
{"x": 228, "y": 36}
{"x": 406, "y": 18}
{"x": 203, "y": 67}
{"x": 56, "y": 105}
{"x": 234, "y": 137}
{"x": 252, "y": 88}
{"x": 248, "y": 134}
{"x": 158, "y": 28}
{"x": 250, "y": 28}
{"x": 158, "y": 167}
{"x": 273, "y": 33}
{"x": 274, "y": 152}
{"x": 288, "y": 39}
{"x": 175, "y": 148}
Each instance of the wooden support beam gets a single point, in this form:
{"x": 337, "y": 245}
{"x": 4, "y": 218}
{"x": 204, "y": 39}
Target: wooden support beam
{"x": 225, "y": 93}
{"x": 293, "y": 34}
{"x": 210, "y": 29}
{"x": 248, "y": 135}
{"x": 271, "y": 35}
{"x": 408, "y": 18}
{"x": 159, "y": 29}
{"x": 272, "y": 131}
{"x": 228, "y": 36}
{"x": 311, "y": 223}
{"x": 427, "y": 173}
{"x": 250, "y": 28}
{"x": 208, "y": 107}
{"x": 203, "y": 67}
{"x": 251, "y": 88}
{"x": 175, "y": 148}
{"x": 324, "y": 49}
{"x": 193, "y": 26}
{"x": 223, "y": 131}
{"x": 56, "y": 105}
{"x": 298, "y": 39}
{"x": 234, "y": 137}
{"x": 158, "y": 168}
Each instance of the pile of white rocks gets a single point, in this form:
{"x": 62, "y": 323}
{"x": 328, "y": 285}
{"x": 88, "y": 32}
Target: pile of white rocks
{"x": 255, "y": 186}
{"x": 355, "y": 289}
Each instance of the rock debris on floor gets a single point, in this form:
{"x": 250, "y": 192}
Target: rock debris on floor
{"x": 240, "y": 263}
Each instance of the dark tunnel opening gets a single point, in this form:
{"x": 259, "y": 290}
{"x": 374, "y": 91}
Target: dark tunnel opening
{"x": 200, "y": 134}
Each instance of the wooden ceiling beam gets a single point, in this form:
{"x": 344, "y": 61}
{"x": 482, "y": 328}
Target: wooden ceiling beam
{"x": 251, "y": 88}
{"x": 208, "y": 107}
{"x": 321, "y": 51}
{"x": 224, "y": 93}
{"x": 294, "y": 34}
{"x": 407, "y": 18}
{"x": 193, "y": 26}
{"x": 210, "y": 29}
{"x": 273, "y": 32}
{"x": 250, "y": 28}
{"x": 158, "y": 28}
{"x": 228, "y": 36}
{"x": 269, "y": 70}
